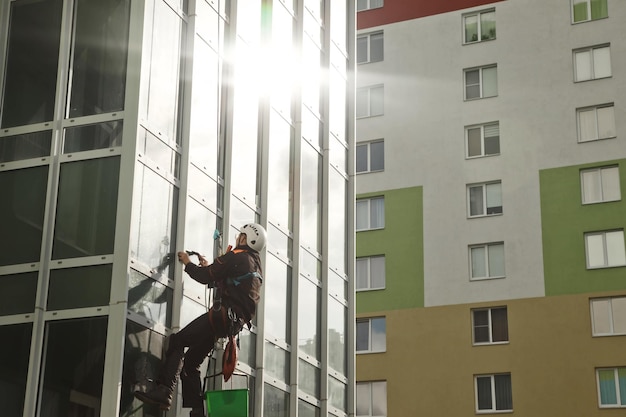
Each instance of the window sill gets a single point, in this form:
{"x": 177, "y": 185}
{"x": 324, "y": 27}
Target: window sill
{"x": 474, "y": 279}
{"x": 480, "y": 41}
{"x": 596, "y": 140}
{"x": 491, "y": 344}
{"x": 494, "y": 411}
{"x": 480, "y": 216}
{"x": 369, "y": 289}
{"x": 367, "y": 352}
{"x": 593, "y": 268}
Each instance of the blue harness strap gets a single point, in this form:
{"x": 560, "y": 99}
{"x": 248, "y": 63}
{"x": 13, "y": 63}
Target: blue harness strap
{"x": 237, "y": 281}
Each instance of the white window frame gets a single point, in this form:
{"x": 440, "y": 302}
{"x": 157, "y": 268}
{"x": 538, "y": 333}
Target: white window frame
{"x": 368, "y": 146}
{"x": 489, "y": 326}
{"x": 607, "y": 304}
{"x": 589, "y": 19}
{"x": 603, "y": 123}
{"x": 370, "y": 398}
{"x": 369, "y": 210}
{"x": 608, "y": 263}
{"x": 621, "y": 402}
{"x": 494, "y": 408}
{"x": 366, "y": 261}
{"x": 369, "y": 349}
{"x": 368, "y": 38}
{"x": 370, "y": 111}
{"x": 481, "y": 82}
{"x": 485, "y": 187}
{"x": 484, "y": 126}
{"x": 609, "y": 189}
{"x": 478, "y": 26}
{"x": 486, "y": 246}
{"x": 370, "y": 4}
{"x": 593, "y": 62}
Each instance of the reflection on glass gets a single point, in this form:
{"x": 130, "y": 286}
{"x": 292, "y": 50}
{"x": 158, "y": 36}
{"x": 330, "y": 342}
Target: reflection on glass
{"x": 338, "y": 154}
{"x": 309, "y": 308}
{"x": 276, "y": 402}
{"x": 100, "y": 47}
{"x": 337, "y": 335}
{"x": 337, "y": 393}
{"x": 150, "y": 298}
{"x": 311, "y": 130}
{"x": 337, "y": 225}
{"x": 143, "y": 350}
{"x": 21, "y": 210}
{"x": 93, "y": 283}
{"x": 17, "y": 293}
{"x": 202, "y": 188}
{"x": 98, "y": 136}
{"x": 32, "y": 61}
{"x": 14, "y": 366}
{"x": 247, "y": 353}
{"x": 310, "y": 266}
{"x": 337, "y": 286}
{"x": 86, "y": 208}
{"x": 309, "y": 378}
{"x": 74, "y": 366}
{"x": 284, "y": 72}
{"x": 165, "y": 158}
{"x": 338, "y": 19}
{"x": 240, "y": 214}
{"x": 200, "y": 224}
{"x": 278, "y": 243}
{"x": 337, "y": 105}
{"x": 310, "y": 230}
{"x": 190, "y": 311}
{"x": 307, "y": 410}
{"x": 312, "y": 78}
{"x": 154, "y": 221}
{"x": 26, "y": 146}
{"x": 277, "y": 362}
{"x": 280, "y": 172}
{"x": 277, "y": 299}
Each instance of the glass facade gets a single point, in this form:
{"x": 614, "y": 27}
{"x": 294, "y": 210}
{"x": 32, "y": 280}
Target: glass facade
{"x": 132, "y": 130}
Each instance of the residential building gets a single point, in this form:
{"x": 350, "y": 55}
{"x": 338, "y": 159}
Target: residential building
{"x": 131, "y": 130}
{"x": 491, "y": 170}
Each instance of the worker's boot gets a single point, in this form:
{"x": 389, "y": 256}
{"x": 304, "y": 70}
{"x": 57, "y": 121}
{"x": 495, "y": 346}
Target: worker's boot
{"x": 161, "y": 396}
{"x": 197, "y": 412}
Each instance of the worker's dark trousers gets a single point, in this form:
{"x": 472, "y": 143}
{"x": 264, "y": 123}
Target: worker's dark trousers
{"x": 199, "y": 336}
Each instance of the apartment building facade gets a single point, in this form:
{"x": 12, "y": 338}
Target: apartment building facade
{"x": 491, "y": 263}
{"x": 131, "y": 130}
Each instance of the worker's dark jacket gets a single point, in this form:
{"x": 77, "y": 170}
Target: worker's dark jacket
{"x": 243, "y": 297}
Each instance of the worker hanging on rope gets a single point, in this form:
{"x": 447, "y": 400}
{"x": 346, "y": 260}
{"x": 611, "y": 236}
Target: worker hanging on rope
{"x": 237, "y": 275}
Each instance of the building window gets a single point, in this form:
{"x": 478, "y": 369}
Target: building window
{"x": 368, "y": 4}
{"x": 484, "y": 199}
{"x": 483, "y": 140}
{"x": 370, "y": 48}
{"x": 608, "y": 316}
{"x": 605, "y": 249}
{"x": 370, "y": 156}
{"x": 487, "y": 261}
{"x": 370, "y": 213}
{"x": 490, "y": 325}
{"x": 599, "y": 185}
{"x": 596, "y": 122}
{"x": 612, "y": 387}
{"x": 370, "y": 273}
{"x": 371, "y": 399}
{"x": 592, "y": 63}
{"x": 369, "y": 101}
{"x": 480, "y": 26}
{"x": 585, "y": 10}
{"x": 371, "y": 335}
{"x": 493, "y": 393}
{"x": 481, "y": 82}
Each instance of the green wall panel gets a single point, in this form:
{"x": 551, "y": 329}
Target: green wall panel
{"x": 401, "y": 241}
{"x": 565, "y": 220}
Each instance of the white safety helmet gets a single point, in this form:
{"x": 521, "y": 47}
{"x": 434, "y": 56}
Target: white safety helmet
{"x": 255, "y": 236}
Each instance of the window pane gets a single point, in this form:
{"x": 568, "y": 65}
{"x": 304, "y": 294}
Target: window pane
{"x": 150, "y": 298}
{"x": 100, "y": 53}
{"x": 307, "y": 410}
{"x": 496, "y": 260}
{"x": 276, "y": 402}
{"x": 610, "y": 184}
{"x": 361, "y": 49}
{"x": 499, "y": 323}
{"x": 363, "y": 399}
{"x": 376, "y": 47}
{"x": 583, "y": 65}
{"x": 98, "y": 136}
{"x": 309, "y": 378}
{"x": 494, "y": 198}
{"x": 309, "y": 306}
{"x": 361, "y": 158}
{"x": 379, "y": 398}
{"x": 377, "y": 101}
{"x": 471, "y": 28}
{"x": 377, "y": 272}
{"x": 476, "y": 201}
{"x": 377, "y": 156}
{"x": 472, "y": 84}
{"x": 616, "y": 254}
{"x": 362, "y": 215}
{"x": 280, "y": 172}
{"x": 276, "y": 362}
{"x": 362, "y": 335}
{"x": 86, "y": 208}
{"x": 21, "y": 210}
{"x": 474, "y": 142}
{"x": 311, "y": 197}
{"x": 592, "y": 186}
{"x": 601, "y": 62}
{"x": 337, "y": 394}
{"x": 601, "y": 313}
{"x": 599, "y": 9}
{"x": 32, "y": 60}
{"x": 379, "y": 335}
{"x": 277, "y": 312}
{"x": 68, "y": 361}
{"x": 490, "y": 82}
{"x": 608, "y": 393}
{"x": 481, "y": 326}
{"x": 362, "y": 102}
{"x": 17, "y": 293}
{"x": 580, "y": 10}
{"x": 606, "y": 122}
{"x": 483, "y": 385}
{"x": 377, "y": 207}
{"x": 337, "y": 335}
{"x": 492, "y": 139}
{"x": 26, "y": 146}
{"x": 14, "y": 358}
{"x": 595, "y": 251}
{"x": 488, "y": 25}
{"x": 619, "y": 316}
{"x": 478, "y": 262}
{"x": 587, "y": 125}
{"x": 504, "y": 400}
{"x": 93, "y": 283}
{"x": 362, "y": 272}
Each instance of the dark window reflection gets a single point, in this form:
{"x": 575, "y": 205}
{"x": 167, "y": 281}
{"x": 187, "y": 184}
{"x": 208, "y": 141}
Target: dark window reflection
{"x": 17, "y": 293}
{"x": 14, "y": 366}
{"x": 99, "y": 57}
{"x": 73, "y": 368}
{"x": 93, "y": 283}
{"x": 33, "y": 54}
{"x": 150, "y": 298}
{"x": 26, "y": 146}
{"x": 98, "y": 136}
{"x": 21, "y": 210}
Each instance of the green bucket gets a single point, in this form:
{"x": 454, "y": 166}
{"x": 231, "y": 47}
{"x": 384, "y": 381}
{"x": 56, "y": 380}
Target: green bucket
{"x": 227, "y": 403}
